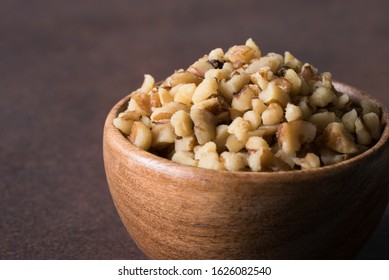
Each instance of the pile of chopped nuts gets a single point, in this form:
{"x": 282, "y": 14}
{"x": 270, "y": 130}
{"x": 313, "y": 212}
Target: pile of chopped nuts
{"x": 242, "y": 111}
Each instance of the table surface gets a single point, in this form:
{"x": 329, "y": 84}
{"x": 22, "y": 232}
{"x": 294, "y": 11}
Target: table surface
{"x": 64, "y": 64}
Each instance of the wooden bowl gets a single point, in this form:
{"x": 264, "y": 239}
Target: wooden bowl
{"x": 175, "y": 211}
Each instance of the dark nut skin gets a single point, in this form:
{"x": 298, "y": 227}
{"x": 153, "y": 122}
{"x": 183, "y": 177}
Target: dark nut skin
{"x": 204, "y": 125}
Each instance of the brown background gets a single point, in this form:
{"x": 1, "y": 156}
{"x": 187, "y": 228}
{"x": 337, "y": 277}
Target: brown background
{"x": 63, "y": 64}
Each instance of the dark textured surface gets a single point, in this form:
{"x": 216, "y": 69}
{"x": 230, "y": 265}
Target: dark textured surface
{"x": 63, "y": 64}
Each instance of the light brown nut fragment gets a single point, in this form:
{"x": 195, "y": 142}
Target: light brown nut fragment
{"x": 258, "y": 132}
{"x": 185, "y": 143}
{"x": 182, "y": 123}
{"x": 203, "y": 150}
{"x": 256, "y": 89}
{"x": 255, "y": 143}
{"x": 267, "y": 74}
{"x": 148, "y": 84}
{"x": 200, "y": 67}
{"x": 240, "y": 128}
{"x": 140, "y": 102}
{"x": 163, "y": 135}
{"x": 140, "y": 136}
{"x": 322, "y": 96}
{"x": 329, "y": 157}
{"x": 363, "y": 135}
{"x": 255, "y": 47}
{"x": 123, "y": 125}
{"x": 165, "y": 112}
{"x": 271, "y": 60}
{"x": 291, "y": 61}
{"x": 372, "y": 123}
{"x": 310, "y": 161}
{"x": 183, "y": 93}
{"x": 241, "y": 54}
{"x": 294, "y": 80}
{"x": 265, "y": 130}
{"x": 309, "y": 75}
{"x": 154, "y": 99}
{"x": 165, "y": 96}
{"x": 233, "y": 85}
{"x": 274, "y": 94}
{"x": 221, "y": 137}
{"x": 233, "y": 161}
{"x": 283, "y": 84}
{"x": 184, "y": 77}
{"x": 253, "y": 118}
{"x": 342, "y": 101}
{"x": 305, "y": 107}
{"x": 125, "y": 120}
{"x": 216, "y": 54}
{"x": 211, "y": 161}
{"x": 212, "y": 105}
{"x": 337, "y": 138}
{"x": 292, "y": 135}
{"x": 326, "y": 79}
{"x": 217, "y": 74}
{"x": 322, "y": 119}
{"x": 273, "y": 114}
{"x": 257, "y": 79}
{"x": 349, "y": 119}
{"x": 258, "y": 105}
{"x": 131, "y": 115}
{"x": 233, "y": 144}
{"x": 204, "y": 125}
{"x": 146, "y": 121}
{"x": 293, "y": 112}
{"x": 242, "y": 100}
{"x": 228, "y": 66}
{"x": 184, "y": 157}
{"x": 261, "y": 160}
{"x": 204, "y": 90}
{"x": 369, "y": 107}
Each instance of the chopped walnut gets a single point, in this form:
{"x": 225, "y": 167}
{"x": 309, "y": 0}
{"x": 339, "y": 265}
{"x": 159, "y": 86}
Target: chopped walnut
{"x": 240, "y": 110}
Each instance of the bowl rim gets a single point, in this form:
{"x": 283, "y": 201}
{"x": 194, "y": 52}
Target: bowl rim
{"x": 167, "y": 166}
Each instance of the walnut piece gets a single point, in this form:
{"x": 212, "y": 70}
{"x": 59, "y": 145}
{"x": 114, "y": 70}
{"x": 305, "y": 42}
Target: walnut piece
{"x": 240, "y": 110}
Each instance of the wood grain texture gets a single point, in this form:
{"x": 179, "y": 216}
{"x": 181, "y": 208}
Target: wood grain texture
{"x": 180, "y": 212}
